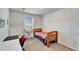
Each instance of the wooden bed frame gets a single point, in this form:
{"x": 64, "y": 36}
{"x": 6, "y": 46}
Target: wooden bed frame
{"x": 51, "y": 36}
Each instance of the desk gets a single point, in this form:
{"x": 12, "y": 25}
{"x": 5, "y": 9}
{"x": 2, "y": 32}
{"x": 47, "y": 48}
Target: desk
{"x": 12, "y": 45}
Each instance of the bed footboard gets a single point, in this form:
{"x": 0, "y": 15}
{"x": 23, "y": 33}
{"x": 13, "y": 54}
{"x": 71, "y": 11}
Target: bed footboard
{"x": 52, "y": 36}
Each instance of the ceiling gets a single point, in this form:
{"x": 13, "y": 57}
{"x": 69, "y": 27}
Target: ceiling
{"x": 36, "y": 11}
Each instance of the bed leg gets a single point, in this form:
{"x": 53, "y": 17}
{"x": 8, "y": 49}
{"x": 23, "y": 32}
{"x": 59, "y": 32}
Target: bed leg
{"x": 56, "y": 40}
{"x": 47, "y": 44}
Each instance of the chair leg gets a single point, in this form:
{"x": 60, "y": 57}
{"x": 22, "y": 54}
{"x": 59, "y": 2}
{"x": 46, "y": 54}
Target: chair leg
{"x": 23, "y": 49}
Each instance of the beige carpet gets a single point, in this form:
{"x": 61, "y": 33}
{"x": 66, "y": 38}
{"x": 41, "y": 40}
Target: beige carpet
{"x": 59, "y": 47}
{"x": 36, "y": 45}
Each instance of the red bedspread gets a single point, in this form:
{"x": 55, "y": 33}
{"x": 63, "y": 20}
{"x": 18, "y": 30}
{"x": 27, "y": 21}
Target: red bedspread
{"x": 41, "y": 34}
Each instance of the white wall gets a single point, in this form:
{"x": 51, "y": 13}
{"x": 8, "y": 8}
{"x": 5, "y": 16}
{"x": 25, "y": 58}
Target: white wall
{"x": 66, "y": 21}
{"x": 4, "y": 13}
{"x": 16, "y": 22}
{"x": 37, "y": 21}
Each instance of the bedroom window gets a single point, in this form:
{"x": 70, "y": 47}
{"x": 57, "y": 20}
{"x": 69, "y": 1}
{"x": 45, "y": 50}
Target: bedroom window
{"x": 28, "y": 25}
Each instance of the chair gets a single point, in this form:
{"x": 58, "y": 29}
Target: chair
{"x": 22, "y": 40}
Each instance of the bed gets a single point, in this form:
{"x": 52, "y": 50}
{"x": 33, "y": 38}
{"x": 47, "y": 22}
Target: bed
{"x": 46, "y": 37}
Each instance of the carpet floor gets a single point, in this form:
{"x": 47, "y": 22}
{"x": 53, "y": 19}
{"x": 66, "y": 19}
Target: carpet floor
{"x": 36, "y": 45}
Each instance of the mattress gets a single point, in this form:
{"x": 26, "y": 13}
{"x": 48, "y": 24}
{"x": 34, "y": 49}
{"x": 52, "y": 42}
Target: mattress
{"x": 41, "y": 34}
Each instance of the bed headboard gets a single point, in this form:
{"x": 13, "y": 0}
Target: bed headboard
{"x": 38, "y": 30}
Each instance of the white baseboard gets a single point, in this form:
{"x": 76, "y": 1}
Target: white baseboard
{"x": 68, "y": 46}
